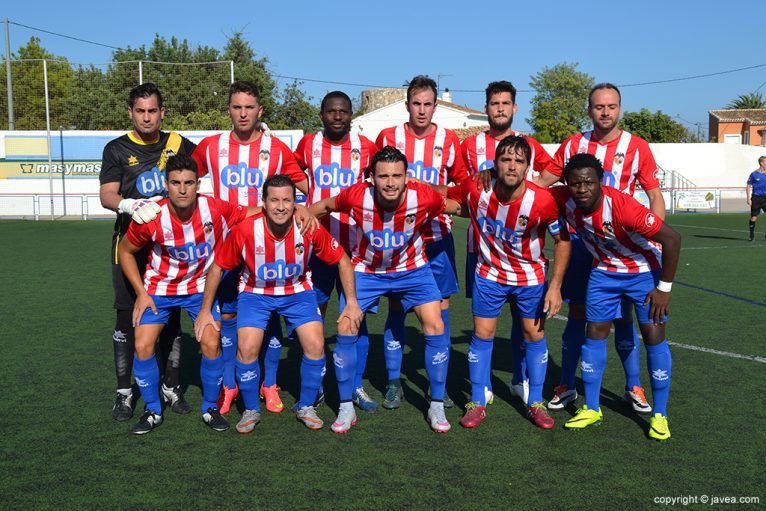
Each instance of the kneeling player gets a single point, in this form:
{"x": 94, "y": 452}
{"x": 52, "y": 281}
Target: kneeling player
{"x": 511, "y": 219}
{"x": 275, "y": 256}
{"x": 619, "y": 231}
{"x": 182, "y": 239}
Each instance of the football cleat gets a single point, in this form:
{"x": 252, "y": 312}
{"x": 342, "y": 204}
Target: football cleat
{"x": 346, "y": 418}
{"x": 308, "y": 416}
{"x": 638, "y": 400}
{"x": 215, "y": 420}
{"x": 438, "y": 420}
{"x": 271, "y": 396}
{"x": 363, "y": 400}
{"x": 448, "y": 402}
{"x": 658, "y": 427}
{"x": 123, "y": 407}
{"x": 584, "y": 417}
{"x": 520, "y": 389}
{"x": 148, "y": 421}
{"x": 489, "y": 396}
{"x": 474, "y": 415}
{"x": 175, "y": 398}
{"x": 393, "y": 396}
{"x": 250, "y": 418}
{"x": 562, "y": 396}
{"x": 539, "y": 416}
{"x": 225, "y": 398}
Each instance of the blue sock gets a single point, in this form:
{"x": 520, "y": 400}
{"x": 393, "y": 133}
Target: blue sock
{"x": 362, "y": 348}
{"x": 571, "y": 345}
{"x": 393, "y": 341}
{"x": 592, "y": 368}
{"x": 312, "y": 372}
{"x": 517, "y": 351}
{"x": 627, "y": 346}
{"x": 210, "y": 372}
{"x": 437, "y": 362}
{"x": 479, "y": 360}
{"x": 147, "y": 374}
{"x": 537, "y": 364}
{"x": 273, "y": 351}
{"x": 345, "y": 362}
{"x": 660, "y": 365}
{"x": 248, "y": 379}
{"x": 229, "y": 351}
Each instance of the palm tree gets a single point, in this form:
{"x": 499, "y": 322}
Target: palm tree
{"x": 752, "y": 100}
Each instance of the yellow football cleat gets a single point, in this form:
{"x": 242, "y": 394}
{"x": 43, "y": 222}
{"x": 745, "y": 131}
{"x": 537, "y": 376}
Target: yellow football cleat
{"x": 584, "y": 418}
{"x": 658, "y": 427}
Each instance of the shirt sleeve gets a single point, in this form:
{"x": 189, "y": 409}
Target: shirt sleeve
{"x": 229, "y": 254}
{"x": 187, "y": 147}
{"x": 326, "y": 248}
{"x": 290, "y": 167}
{"x": 543, "y": 160}
{"x": 457, "y": 172}
{"x": 233, "y": 213}
{"x": 111, "y": 170}
{"x": 636, "y": 217}
{"x": 465, "y": 154}
{"x": 462, "y": 192}
{"x": 382, "y": 140}
{"x": 140, "y": 234}
{"x": 557, "y": 165}
{"x": 549, "y": 212}
{"x": 433, "y": 202}
{"x": 647, "y": 167}
{"x": 300, "y": 153}
{"x": 200, "y": 157}
{"x": 750, "y": 179}
{"x": 343, "y": 201}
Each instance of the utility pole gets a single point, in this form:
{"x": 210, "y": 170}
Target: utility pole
{"x": 8, "y": 82}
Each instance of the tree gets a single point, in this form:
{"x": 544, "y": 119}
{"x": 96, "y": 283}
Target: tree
{"x": 656, "y": 127}
{"x": 295, "y": 111}
{"x": 751, "y": 100}
{"x": 559, "y": 107}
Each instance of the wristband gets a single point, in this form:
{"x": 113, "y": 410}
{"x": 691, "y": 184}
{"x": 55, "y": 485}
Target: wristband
{"x": 664, "y": 286}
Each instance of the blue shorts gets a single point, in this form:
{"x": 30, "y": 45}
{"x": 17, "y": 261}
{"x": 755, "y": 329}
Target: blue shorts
{"x": 411, "y": 288}
{"x": 254, "y": 309}
{"x": 228, "y": 290}
{"x": 490, "y": 297}
{"x": 324, "y": 278}
{"x": 441, "y": 258}
{"x": 607, "y": 291}
{"x": 470, "y": 270}
{"x": 166, "y": 304}
{"x": 575, "y": 281}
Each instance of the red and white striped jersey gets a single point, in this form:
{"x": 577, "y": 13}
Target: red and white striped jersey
{"x": 332, "y": 168}
{"x": 626, "y": 159}
{"x": 390, "y": 241}
{"x": 434, "y": 158}
{"x": 239, "y": 170}
{"x": 511, "y": 234}
{"x": 478, "y": 153}
{"x": 182, "y": 252}
{"x": 617, "y": 233}
{"x": 275, "y": 266}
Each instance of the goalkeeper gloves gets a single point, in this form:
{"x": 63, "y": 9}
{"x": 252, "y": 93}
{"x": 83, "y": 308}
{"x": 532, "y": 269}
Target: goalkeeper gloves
{"x": 140, "y": 210}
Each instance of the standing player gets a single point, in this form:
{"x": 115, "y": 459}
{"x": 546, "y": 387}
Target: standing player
{"x": 389, "y": 260}
{"x": 623, "y": 238}
{"x": 275, "y": 255}
{"x": 626, "y": 159}
{"x": 433, "y": 156}
{"x": 756, "y": 193}
{"x": 478, "y": 153}
{"x": 334, "y": 159}
{"x": 182, "y": 239}
{"x": 239, "y": 162}
{"x": 132, "y": 180}
{"x": 511, "y": 220}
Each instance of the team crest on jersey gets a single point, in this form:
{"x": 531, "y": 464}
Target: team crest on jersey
{"x": 356, "y": 154}
{"x": 223, "y": 152}
{"x": 650, "y": 220}
{"x": 207, "y": 227}
{"x": 409, "y": 219}
{"x": 132, "y": 161}
{"x": 608, "y": 228}
{"x": 438, "y": 151}
{"x": 368, "y": 217}
{"x": 299, "y": 249}
{"x": 260, "y": 250}
{"x": 264, "y": 154}
{"x": 523, "y": 220}
{"x": 619, "y": 158}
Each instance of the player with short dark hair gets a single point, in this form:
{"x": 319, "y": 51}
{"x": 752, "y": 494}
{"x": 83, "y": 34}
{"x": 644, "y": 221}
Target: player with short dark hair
{"x": 393, "y": 216}
{"x": 635, "y": 256}
{"x": 756, "y": 194}
{"x": 334, "y": 159}
{"x": 132, "y": 180}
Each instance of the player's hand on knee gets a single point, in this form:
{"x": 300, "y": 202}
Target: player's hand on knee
{"x": 143, "y": 302}
{"x": 552, "y": 304}
{"x": 204, "y": 319}
{"x": 353, "y": 313}
{"x": 660, "y": 305}
{"x": 140, "y": 210}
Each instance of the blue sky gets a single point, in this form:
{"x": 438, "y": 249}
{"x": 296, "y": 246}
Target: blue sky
{"x": 387, "y": 43}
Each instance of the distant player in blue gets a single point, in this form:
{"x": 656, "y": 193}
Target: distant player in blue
{"x": 756, "y": 193}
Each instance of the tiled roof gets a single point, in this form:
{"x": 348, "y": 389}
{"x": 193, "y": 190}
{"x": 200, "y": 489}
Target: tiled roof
{"x": 464, "y": 133}
{"x": 755, "y": 116}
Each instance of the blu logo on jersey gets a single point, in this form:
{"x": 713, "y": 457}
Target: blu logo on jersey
{"x": 609, "y": 179}
{"x": 278, "y": 270}
{"x": 333, "y": 176}
{"x": 241, "y": 176}
{"x": 151, "y": 182}
{"x": 190, "y": 252}
{"x": 418, "y": 170}
{"x": 496, "y": 230}
{"x": 387, "y": 239}
{"x": 488, "y": 164}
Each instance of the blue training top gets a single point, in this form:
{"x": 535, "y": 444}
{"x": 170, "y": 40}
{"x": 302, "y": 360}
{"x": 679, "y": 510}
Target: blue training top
{"x": 757, "y": 180}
